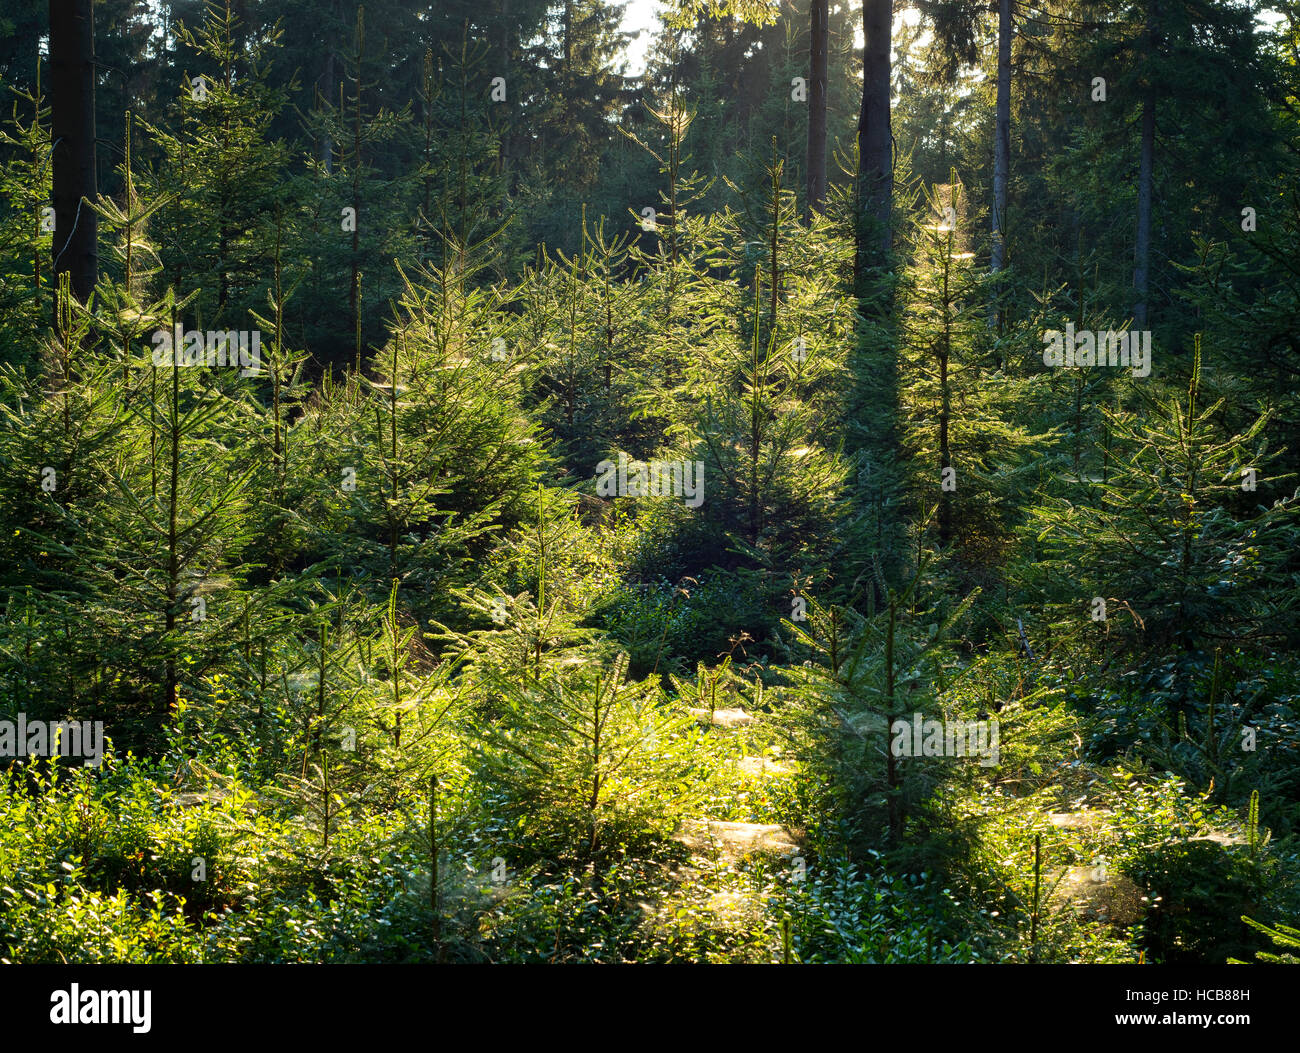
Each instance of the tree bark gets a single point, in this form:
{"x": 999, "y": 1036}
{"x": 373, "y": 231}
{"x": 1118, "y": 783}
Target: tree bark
{"x": 1146, "y": 177}
{"x": 327, "y": 97}
{"x": 1142, "y": 249}
{"x": 875, "y": 141}
{"x": 327, "y": 85}
{"x": 72, "y": 102}
{"x": 1002, "y": 139}
{"x": 567, "y": 77}
{"x": 817, "y": 81}
{"x": 507, "y": 55}
{"x": 945, "y": 407}
{"x": 876, "y": 364}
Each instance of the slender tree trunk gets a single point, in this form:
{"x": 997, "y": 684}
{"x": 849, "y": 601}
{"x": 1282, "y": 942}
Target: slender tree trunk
{"x": 756, "y": 417}
{"x": 327, "y": 95}
{"x": 593, "y": 802}
{"x": 1142, "y": 250}
{"x": 318, "y": 729}
{"x": 875, "y": 142}
{"x": 72, "y": 101}
{"x": 224, "y": 235}
{"x": 1146, "y": 176}
{"x": 507, "y": 54}
{"x": 774, "y": 260}
{"x": 173, "y": 583}
{"x": 893, "y": 777}
{"x": 36, "y": 217}
{"x": 434, "y": 905}
{"x": 817, "y": 80}
{"x": 945, "y": 403}
{"x": 566, "y": 103}
{"x": 432, "y": 89}
{"x": 327, "y": 85}
{"x": 1002, "y": 139}
{"x": 875, "y": 370}
{"x": 354, "y": 296}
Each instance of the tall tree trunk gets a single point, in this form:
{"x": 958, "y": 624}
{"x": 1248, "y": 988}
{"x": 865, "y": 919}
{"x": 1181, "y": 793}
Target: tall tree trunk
{"x": 327, "y": 97}
{"x": 354, "y": 297}
{"x": 945, "y": 404}
{"x": 817, "y": 80}
{"x": 875, "y": 142}
{"x": 876, "y": 362}
{"x": 567, "y": 77}
{"x": 1142, "y": 250}
{"x": 172, "y": 585}
{"x": 1146, "y": 176}
{"x": 507, "y": 55}
{"x": 1002, "y": 139}
{"x": 72, "y": 101}
{"x": 327, "y": 86}
{"x": 893, "y": 777}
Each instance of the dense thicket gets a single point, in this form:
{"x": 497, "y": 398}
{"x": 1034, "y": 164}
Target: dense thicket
{"x": 481, "y": 486}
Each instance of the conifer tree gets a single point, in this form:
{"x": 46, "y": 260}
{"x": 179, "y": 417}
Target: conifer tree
{"x": 581, "y": 358}
{"x": 59, "y": 421}
{"x": 868, "y": 675}
{"x": 1164, "y": 562}
{"x": 583, "y": 753}
{"x": 589, "y": 756}
{"x": 220, "y": 172}
{"x": 27, "y": 227}
{"x": 430, "y": 455}
{"x": 960, "y": 409}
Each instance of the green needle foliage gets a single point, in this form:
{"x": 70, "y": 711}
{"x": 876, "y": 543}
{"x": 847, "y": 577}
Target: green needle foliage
{"x": 588, "y": 759}
{"x": 394, "y": 656}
